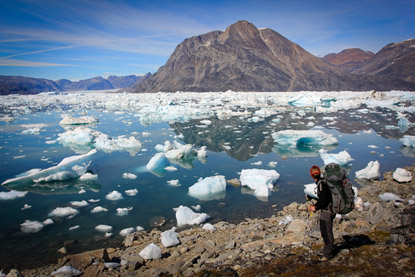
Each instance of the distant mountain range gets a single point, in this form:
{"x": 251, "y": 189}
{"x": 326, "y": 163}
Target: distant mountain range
{"x": 26, "y": 85}
{"x": 245, "y": 58}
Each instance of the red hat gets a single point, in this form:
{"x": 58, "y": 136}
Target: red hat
{"x": 315, "y": 171}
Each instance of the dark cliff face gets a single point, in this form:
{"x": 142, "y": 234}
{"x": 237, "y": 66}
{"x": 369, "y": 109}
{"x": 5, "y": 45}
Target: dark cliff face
{"x": 245, "y": 58}
{"x": 396, "y": 60}
{"x": 349, "y": 60}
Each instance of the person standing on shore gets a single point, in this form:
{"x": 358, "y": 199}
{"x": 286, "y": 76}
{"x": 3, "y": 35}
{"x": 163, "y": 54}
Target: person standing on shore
{"x": 327, "y": 216}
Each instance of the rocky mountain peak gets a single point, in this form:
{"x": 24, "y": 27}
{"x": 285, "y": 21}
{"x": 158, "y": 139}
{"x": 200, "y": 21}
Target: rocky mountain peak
{"x": 350, "y": 59}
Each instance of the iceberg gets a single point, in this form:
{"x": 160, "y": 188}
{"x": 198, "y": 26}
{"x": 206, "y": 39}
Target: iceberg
{"x": 103, "y": 228}
{"x": 210, "y": 188}
{"x": 371, "y": 171}
{"x": 259, "y": 180}
{"x": 10, "y": 195}
{"x": 342, "y": 158}
{"x": 169, "y": 238}
{"x": 69, "y": 168}
{"x": 31, "y": 226}
{"x": 62, "y": 212}
{"x": 408, "y": 140}
{"x": 126, "y": 231}
{"x": 114, "y": 196}
{"x": 151, "y": 252}
{"x": 157, "y": 164}
{"x": 301, "y": 137}
{"x": 83, "y": 120}
{"x": 184, "y": 215}
{"x": 401, "y": 175}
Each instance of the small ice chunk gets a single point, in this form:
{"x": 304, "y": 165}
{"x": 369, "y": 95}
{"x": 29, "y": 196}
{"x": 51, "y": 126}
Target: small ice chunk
{"x": 129, "y": 176}
{"x": 371, "y": 171}
{"x": 13, "y": 194}
{"x": 387, "y": 196}
{"x": 408, "y": 140}
{"x": 48, "y": 221}
{"x": 151, "y": 252}
{"x": 63, "y": 211}
{"x": 157, "y": 164}
{"x": 123, "y": 211}
{"x": 169, "y": 238}
{"x": 208, "y": 188}
{"x": 259, "y": 180}
{"x": 401, "y": 175}
{"x": 174, "y": 183}
{"x": 88, "y": 177}
{"x": 31, "y": 226}
{"x": 66, "y": 271}
{"x": 209, "y": 227}
{"x": 311, "y": 190}
{"x": 131, "y": 192}
{"x": 112, "y": 265}
{"x": 98, "y": 209}
{"x": 69, "y": 120}
{"x": 103, "y": 228}
{"x": 26, "y": 206}
{"x": 82, "y": 203}
{"x": 184, "y": 215}
{"x": 73, "y": 227}
{"x": 114, "y": 196}
{"x": 126, "y": 231}
{"x": 272, "y": 164}
{"x": 342, "y": 158}
{"x": 202, "y": 153}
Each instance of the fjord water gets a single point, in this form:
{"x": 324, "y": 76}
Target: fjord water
{"x": 233, "y": 144}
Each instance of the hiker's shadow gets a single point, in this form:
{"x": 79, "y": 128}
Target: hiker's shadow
{"x": 353, "y": 242}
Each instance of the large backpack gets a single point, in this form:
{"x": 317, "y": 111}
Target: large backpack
{"x": 342, "y": 193}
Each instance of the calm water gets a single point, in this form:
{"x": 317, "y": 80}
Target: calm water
{"x": 233, "y": 144}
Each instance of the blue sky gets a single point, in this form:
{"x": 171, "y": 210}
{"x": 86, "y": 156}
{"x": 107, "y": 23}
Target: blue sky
{"x": 75, "y": 39}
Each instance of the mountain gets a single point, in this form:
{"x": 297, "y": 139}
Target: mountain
{"x": 349, "y": 60}
{"x": 245, "y": 58}
{"x": 27, "y": 85}
{"x": 395, "y": 60}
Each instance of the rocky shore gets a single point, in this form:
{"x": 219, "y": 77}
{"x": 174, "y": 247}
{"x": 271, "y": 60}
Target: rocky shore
{"x": 377, "y": 240}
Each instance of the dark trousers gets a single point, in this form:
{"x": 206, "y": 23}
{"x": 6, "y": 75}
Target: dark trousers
{"x": 326, "y": 229}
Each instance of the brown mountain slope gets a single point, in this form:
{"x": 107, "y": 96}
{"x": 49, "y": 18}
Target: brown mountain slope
{"x": 349, "y": 60}
{"x": 244, "y": 58}
{"x": 395, "y": 60}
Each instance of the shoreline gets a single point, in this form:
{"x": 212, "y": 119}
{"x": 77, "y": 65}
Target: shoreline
{"x": 239, "y": 247}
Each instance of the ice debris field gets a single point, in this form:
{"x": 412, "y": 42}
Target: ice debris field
{"x": 95, "y": 164}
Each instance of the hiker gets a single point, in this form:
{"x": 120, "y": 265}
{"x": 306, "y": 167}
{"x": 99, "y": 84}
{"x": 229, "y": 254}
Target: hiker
{"x": 326, "y": 215}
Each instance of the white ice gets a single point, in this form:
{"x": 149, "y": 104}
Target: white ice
{"x": 169, "y": 238}
{"x": 151, "y": 252}
{"x": 157, "y": 164}
{"x": 103, "y": 228}
{"x": 371, "y": 171}
{"x": 126, "y": 231}
{"x": 68, "y": 168}
{"x": 131, "y": 176}
{"x": 31, "y": 226}
{"x": 184, "y": 215}
{"x": 82, "y": 203}
{"x": 69, "y": 120}
{"x": 401, "y": 175}
{"x": 13, "y": 194}
{"x": 123, "y": 211}
{"x": 98, "y": 209}
{"x": 131, "y": 192}
{"x": 311, "y": 190}
{"x": 209, "y": 188}
{"x": 408, "y": 140}
{"x": 63, "y": 211}
{"x": 259, "y": 180}
{"x": 305, "y": 137}
{"x": 114, "y": 196}
{"x": 341, "y": 158}
{"x": 209, "y": 227}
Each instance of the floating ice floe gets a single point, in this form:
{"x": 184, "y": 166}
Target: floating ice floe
{"x": 103, "y": 228}
{"x": 131, "y": 192}
{"x": 10, "y": 195}
{"x": 98, "y": 209}
{"x": 83, "y": 120}
{"x": 259, "y": 180}
{"x": 209, "y": 188}
{"x": 66, "y": 271}
{"x": 342, "y": 158}
{"x": 82, "y": 203}
{"x": 408, "y": 140}
{"x": 401, "y": 175}
{"x": 114, "y": 196}
{"x": 63, "y": 211}
{"x": 169, "y": 238}
{"x": 157, "y": 164}
{"x": 129, "y": 176}
{"x": 126, "y": 231}
{"x": 184, "y": 215}
{"x": 31, "y": 226}
{"x": 371, "y": 171}
{"x": 151, "y": 252}
{"x": 82, "y": 137}
{"x": 69, "y": 168}
{"x": 311, "y": 190}
{"x": 33, "y": 129}
{"x": 123, "y": 211}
